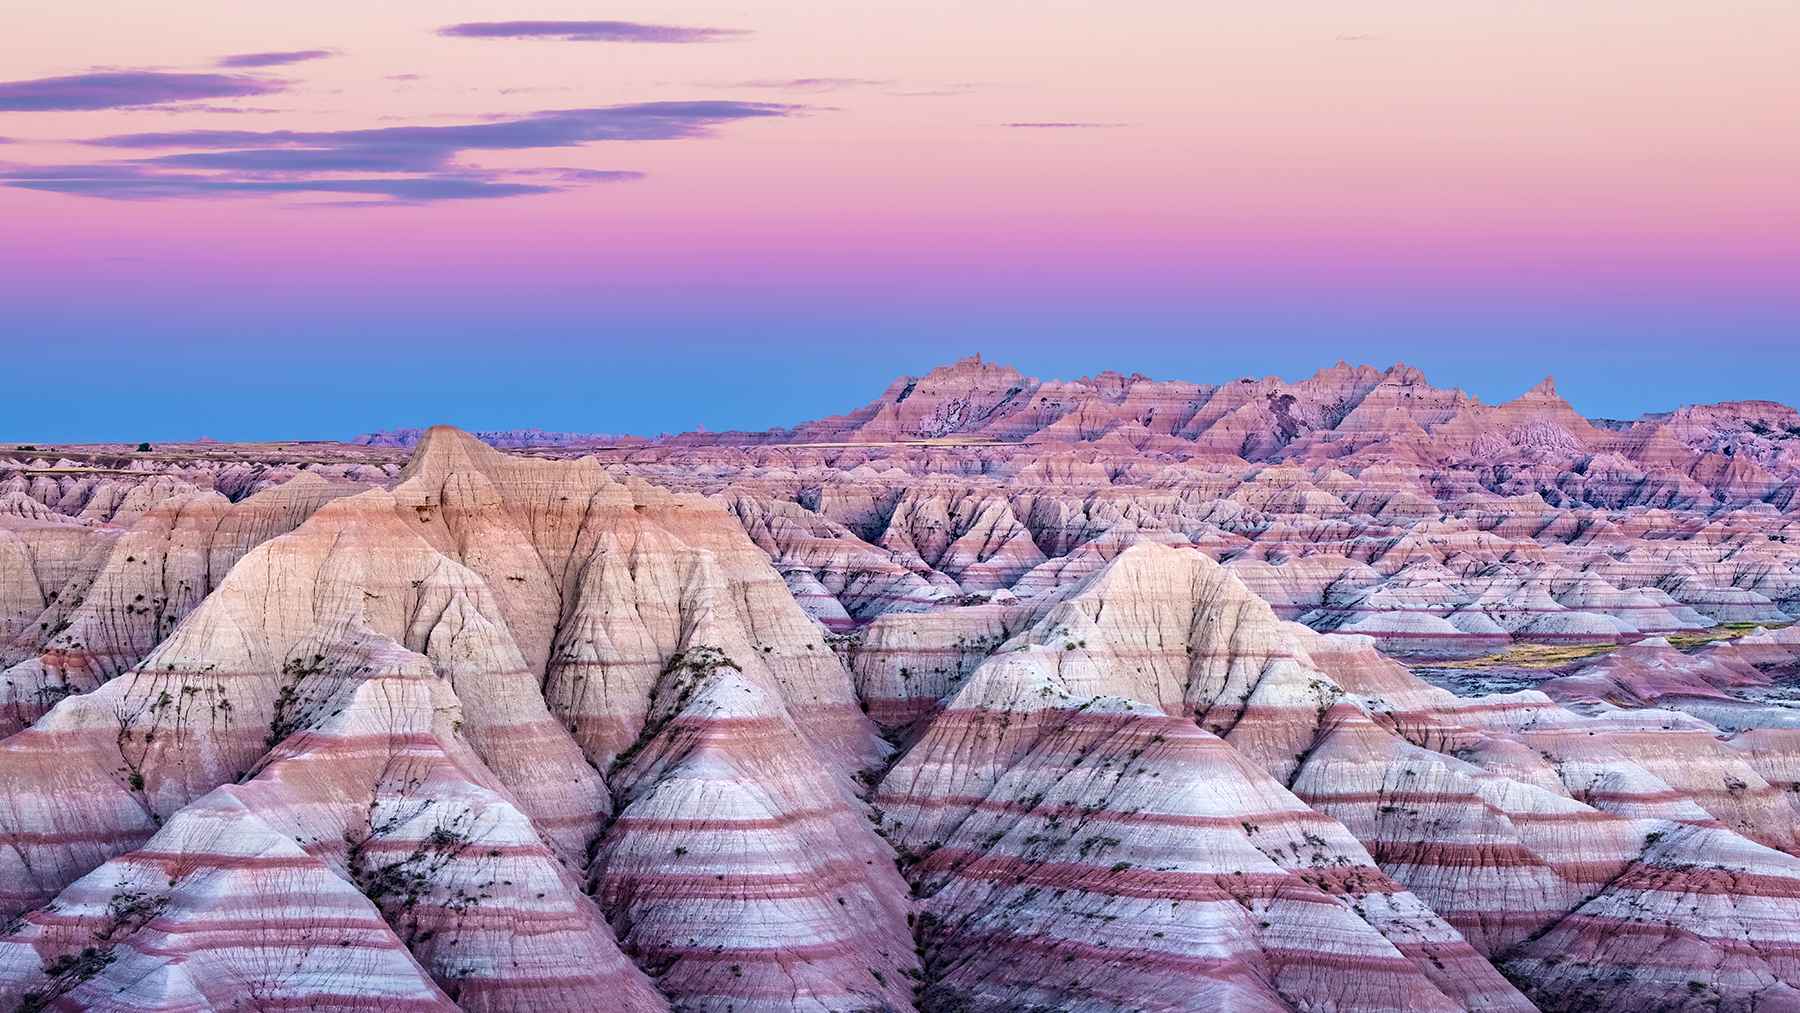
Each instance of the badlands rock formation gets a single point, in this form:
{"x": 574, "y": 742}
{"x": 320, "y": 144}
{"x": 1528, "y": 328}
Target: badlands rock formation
{"x": 996, "y": 694}
{"x": 513, "y": 439}
{"x": 1357, "y": 501}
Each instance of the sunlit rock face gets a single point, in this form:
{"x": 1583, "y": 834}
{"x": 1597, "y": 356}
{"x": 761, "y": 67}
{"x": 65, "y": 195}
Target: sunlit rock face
{"x": 999, "y": 693}
{"x": 1358, "y": 500}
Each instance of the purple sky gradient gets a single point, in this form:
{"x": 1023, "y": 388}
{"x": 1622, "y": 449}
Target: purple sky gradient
{"x": 265, "y": 220}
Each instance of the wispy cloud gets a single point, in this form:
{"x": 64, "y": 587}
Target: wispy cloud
{"x": 210, "y": 107}
{"x": 404, "y": 77}
{"x": 582, "y": 175}
{"x": 1061, "y": 125}
{"x": 587, "y": 31}
{"x": 807, "y": 84}
{"x": 562, "y": 128}
{"x": 308, "y": 160}
{"x": 136, "y": 182}
{"x": 123, "y": 89}
{"x": 275, "y": 59}
{"x": 1357, "y": 37}
{"x": 939, "y": 91}
{"x": 410, "y": 164}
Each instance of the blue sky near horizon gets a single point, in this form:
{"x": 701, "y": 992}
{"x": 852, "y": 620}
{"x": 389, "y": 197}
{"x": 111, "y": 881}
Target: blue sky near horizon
{"x": 325, "y": 379}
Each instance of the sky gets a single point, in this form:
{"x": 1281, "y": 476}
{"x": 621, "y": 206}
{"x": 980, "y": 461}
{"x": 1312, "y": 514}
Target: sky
{"x": 256, "y": 221}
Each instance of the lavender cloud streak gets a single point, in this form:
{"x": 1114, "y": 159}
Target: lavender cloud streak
{"x": 121, "y": 89}
{"x": 587, "y": 31}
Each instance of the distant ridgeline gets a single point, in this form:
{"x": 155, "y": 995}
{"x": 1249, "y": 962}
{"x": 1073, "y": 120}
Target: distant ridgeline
{"x": 507, "y": 438}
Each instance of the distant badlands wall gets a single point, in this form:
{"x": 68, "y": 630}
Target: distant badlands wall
{"x": 1359, "y": 500}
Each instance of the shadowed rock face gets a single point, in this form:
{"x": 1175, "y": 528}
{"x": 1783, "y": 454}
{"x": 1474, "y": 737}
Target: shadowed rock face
{"x": 996, "y": 694}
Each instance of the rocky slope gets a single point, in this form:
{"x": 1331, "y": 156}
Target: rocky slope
{"x": 1358, "y": 500}
{"x": 998, "y": 693}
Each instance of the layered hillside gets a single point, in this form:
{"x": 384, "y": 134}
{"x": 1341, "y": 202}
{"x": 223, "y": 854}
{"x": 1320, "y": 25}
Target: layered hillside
{"x": 996, "y": 694}
{"x": 1358, "y": 500}
{"x": 463, "y": 698}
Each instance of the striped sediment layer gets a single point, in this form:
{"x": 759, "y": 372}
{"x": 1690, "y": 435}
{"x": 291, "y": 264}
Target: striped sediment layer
{"x": 515, "y": 734}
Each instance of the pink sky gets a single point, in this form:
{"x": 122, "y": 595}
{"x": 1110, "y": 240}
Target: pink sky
{"x": 1473, "y": 154}
{"x": 1602, "y": 126}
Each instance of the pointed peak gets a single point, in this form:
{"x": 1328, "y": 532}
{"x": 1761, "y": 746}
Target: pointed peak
{"x": 973, "y": 365}
{"x": 441, "y": 437}
{"x": 1404, "y": 375}
{"x": 1343, "y": 370}
{"x": 1546, "y": 388}
{"x": 972, "y": 362}
{"x": 443, "y": 449}
{"x": 966, "y": 364}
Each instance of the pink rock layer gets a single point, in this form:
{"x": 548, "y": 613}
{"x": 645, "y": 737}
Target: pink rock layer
{"x": 995, "y": 694}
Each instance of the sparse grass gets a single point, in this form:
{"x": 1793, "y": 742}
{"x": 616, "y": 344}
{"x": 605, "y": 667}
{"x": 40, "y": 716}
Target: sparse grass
{"x": 1534, "y": 656}
{"x": 1700, "y": 638}
{"x": 1548, "y": 656}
